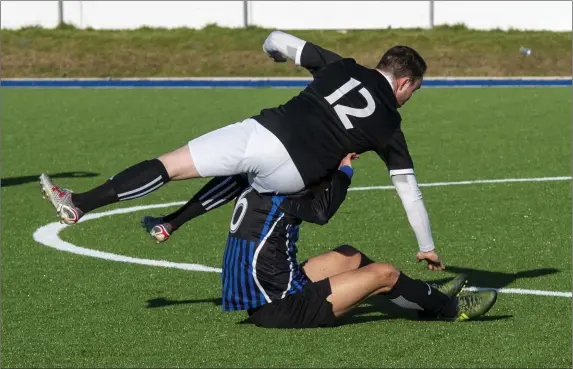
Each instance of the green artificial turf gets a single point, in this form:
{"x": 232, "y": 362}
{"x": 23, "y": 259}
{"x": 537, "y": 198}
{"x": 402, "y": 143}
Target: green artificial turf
{"x": 65, "y": 310}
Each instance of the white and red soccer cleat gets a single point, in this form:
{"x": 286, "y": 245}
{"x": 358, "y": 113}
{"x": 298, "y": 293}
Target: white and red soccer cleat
{"x": 61, "y": 199}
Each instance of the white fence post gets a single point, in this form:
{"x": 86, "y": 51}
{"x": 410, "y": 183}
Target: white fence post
{"x": 60, "y": 12}
{"x": 431, "y": 13}
{"x": 245, "y": 14}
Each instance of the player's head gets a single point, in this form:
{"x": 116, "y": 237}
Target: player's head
{"x": 406, "y": 67}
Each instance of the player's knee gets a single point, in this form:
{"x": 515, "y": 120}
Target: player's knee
{"x": 179, "y": 164}
{"x": 387, "y": 274}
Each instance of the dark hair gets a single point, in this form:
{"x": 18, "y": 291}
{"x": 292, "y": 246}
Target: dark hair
{"x": 403, "y": 61}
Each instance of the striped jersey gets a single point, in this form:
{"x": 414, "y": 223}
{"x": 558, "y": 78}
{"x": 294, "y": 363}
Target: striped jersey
{"x": 259, "y": 262}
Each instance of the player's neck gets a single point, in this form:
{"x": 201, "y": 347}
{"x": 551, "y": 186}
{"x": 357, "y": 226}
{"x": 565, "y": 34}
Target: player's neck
{"x": 389, "y": 78}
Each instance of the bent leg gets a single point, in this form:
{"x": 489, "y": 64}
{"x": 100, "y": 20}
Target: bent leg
{"x": 349, "y": 289}
{"x": 340, "y": 260}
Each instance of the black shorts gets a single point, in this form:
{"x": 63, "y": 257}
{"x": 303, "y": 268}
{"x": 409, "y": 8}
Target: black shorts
{"x": 306, "y": 309}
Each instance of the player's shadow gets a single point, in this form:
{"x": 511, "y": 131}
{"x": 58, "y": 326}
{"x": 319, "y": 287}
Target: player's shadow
{"x": 160, "y": 302}
{"x": 16, "y": 181}
{"x": 490, "y": 279}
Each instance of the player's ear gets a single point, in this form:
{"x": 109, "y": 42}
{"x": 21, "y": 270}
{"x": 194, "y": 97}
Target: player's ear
{"x": 402, "y": 83}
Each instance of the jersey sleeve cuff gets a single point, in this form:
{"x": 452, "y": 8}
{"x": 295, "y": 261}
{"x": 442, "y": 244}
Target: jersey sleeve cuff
{"x": 396, "y": 172}
{"x": 347, "y": 170}
{"x": 427, "y": 248}
{"x": 299, "y": 53}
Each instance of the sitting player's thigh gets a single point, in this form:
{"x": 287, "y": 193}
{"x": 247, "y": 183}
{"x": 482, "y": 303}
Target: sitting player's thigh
{"x": 349, "y": 289}
{"x": 340, "y": 260}
{"x": 222, "y": 152}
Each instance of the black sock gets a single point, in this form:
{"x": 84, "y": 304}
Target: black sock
{"x": 414, "y": 294}
{"x": 217, "y": 192}
{"x": 135, "y": 181}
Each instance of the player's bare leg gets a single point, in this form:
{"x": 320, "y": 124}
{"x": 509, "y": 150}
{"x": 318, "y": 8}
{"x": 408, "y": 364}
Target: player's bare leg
{"x": 340, "y": 260}
{"x": 136, "y": 181}
{"x": 179, "y": 164}
{"x": 351, "y": 288}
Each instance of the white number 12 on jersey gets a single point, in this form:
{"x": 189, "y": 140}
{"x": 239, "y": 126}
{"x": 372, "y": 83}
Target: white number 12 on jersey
{"x": 344, "y": 111}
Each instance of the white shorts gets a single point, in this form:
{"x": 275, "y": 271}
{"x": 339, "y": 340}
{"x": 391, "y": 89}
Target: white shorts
{"x": 247, "y": 147}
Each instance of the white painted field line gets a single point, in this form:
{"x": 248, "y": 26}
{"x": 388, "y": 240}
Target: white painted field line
{"x": 478, "y": 181}
{"x": 520, "y": 291}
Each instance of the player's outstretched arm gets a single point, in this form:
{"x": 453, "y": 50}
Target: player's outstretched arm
{"x": 281, "y": 46}
{"x": 322, "y": 204}
{"x": 411, "y": 196}
{"x": 399, "y": 162}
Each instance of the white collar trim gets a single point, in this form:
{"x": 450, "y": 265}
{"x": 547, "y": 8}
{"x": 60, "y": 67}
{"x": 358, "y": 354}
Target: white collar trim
{"x": 389, "y": 78}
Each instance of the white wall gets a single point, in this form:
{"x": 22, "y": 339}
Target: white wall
{"x": 339, "y": 14}
{"x": 534, "y": 15}
{"x": 550, "y": 15}
{"x": 15, "y": 14}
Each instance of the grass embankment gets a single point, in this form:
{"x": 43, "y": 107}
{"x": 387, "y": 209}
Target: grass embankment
{"x": 215, "y": 51}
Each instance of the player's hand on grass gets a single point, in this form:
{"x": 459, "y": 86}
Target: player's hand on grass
{"x": 433, "y": 260}
{"x": 348, "y": 160}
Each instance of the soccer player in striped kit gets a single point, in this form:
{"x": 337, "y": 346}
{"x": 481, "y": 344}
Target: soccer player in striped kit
{"x": 262, "y": 276}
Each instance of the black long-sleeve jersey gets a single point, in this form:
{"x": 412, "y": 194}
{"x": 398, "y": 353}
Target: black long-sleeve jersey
{"x": 259, "y": 262}
{"x": 346, "y": 108}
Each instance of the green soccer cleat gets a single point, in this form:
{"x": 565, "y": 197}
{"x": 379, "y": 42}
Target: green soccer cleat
{"x": 475, "y": 304}
{"x": 453, "y": 287}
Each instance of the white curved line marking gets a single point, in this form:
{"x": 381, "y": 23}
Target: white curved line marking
{"x": 48, "y": 235}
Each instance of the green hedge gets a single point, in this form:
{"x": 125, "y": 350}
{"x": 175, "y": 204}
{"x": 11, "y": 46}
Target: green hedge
{"x": 215, "y": 51}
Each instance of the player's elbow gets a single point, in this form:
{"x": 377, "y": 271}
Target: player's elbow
{"x": 275, "y": 34}
{"x": 272, "y": 38}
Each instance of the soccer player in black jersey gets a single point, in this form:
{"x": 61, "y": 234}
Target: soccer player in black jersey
{"x": 262, "y": 276}
{"x": 346, "y": 108}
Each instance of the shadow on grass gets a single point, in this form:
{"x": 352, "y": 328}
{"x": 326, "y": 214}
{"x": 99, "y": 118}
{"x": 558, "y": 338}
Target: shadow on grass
{"x": 16, "y": 181}
{"x": 485, "y": 278}
{"x": 160, "y": 302}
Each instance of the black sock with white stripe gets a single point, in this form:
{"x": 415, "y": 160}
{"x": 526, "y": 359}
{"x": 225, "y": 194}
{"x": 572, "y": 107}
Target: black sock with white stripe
{"x": 135, "y": 181}
{"x": 414, "y": 294}
{"x": 217, "y": 192}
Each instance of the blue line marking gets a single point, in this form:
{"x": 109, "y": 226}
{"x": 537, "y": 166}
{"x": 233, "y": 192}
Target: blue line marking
{"x": 262, "y": 82}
